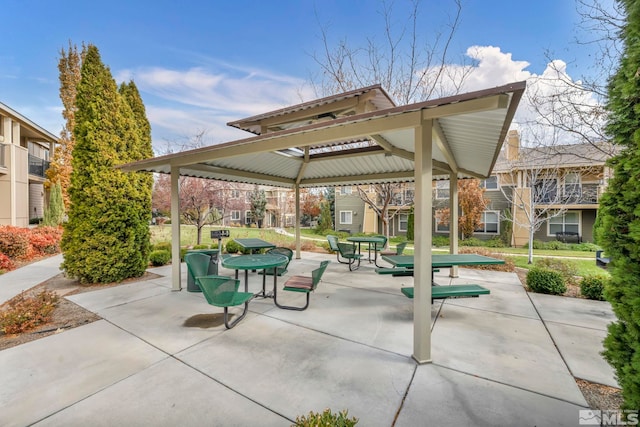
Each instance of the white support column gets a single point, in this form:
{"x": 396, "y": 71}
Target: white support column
{"x": 422, "y": 238}
{"x": 453, "y": 223}
{"x": 175, "y": 229}
{"x": 297, "y": 221}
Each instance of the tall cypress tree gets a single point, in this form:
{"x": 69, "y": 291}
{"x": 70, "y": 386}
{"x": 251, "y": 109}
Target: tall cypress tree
{"x": 619, "y": 213}
{"x": 106, "y": 237}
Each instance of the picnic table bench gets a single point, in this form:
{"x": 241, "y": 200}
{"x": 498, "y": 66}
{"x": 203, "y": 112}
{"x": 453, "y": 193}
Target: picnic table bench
{"x": 568, "y": 236}
{"x": 602, "y": 261}
{"x": 451, "y": 291}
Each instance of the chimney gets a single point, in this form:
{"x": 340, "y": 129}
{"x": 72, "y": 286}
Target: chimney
{"x": 513, "y": 145}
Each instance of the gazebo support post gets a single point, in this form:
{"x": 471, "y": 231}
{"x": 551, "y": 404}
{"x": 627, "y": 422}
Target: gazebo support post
{"x": 422, "y": 276}
{"x": 453, "y": 223}
{"x": 297, "y": 221}
{"x": 175, "y": 229}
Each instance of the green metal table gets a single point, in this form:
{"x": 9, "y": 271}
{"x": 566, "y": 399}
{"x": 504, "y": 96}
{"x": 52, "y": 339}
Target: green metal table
{"x": 254, "y": 244}
{"x": 255, "y": 262}
{"x": 370, "y": 240}
{"x": 442, "y": 261}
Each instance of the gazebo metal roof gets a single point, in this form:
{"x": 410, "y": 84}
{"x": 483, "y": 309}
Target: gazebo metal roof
{"x": 365, "y": 148}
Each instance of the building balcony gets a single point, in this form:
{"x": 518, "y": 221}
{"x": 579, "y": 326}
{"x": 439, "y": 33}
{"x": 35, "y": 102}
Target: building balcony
{"x": 38, "y": 166}
{"x": 585, "y": 194}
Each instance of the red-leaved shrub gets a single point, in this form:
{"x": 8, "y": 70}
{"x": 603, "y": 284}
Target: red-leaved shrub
{"x": 45, "y": 240}
{"x": 25, "y": 244}
{"x": 6, "y": 263}
{"x": 14, "y": 241}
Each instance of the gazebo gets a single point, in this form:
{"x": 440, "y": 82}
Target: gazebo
{"x": 353, "y": 138}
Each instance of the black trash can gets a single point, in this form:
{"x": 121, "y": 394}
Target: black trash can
{"x": 213, "y": 267}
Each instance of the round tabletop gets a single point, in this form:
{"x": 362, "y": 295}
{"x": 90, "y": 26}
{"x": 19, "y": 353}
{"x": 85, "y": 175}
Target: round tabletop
{"x": 254, "y": 261}
{"x": 365, "y": 239}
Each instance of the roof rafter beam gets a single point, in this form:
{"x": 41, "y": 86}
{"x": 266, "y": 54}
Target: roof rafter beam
{"x": 443, "y": 144}
{"x": 408, "y": 175}
{"x": 204, "y": 168}
{"x": 478, "y": 105}
{"x": 392, "y": 149}
{"x": 303, "y": 166}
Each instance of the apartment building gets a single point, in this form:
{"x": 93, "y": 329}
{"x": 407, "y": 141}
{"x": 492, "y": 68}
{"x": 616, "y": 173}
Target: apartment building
{"x": 561, "y": 184}
{"x": 25, "y": 150}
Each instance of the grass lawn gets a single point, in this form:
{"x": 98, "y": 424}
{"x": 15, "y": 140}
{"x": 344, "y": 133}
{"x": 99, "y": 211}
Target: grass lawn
{"x": 162, "y": 233}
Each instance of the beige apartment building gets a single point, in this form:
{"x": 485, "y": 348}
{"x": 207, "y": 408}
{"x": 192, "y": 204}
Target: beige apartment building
{"x": 25, "y": 150}
{"x": 561, "y": 183}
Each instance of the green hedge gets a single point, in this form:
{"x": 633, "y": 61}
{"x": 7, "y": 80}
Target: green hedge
{"x": 545, "y": 281}
{"x": 159, "y": 257}
{"x": 592, "y": 287}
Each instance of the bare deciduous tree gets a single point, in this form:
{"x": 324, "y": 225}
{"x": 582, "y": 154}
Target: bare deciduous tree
{"x": 409, "y": 66}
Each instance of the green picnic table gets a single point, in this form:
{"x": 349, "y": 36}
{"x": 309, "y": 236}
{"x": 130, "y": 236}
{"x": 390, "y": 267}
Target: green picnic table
{"x": 370, "y": 240}
{"x": 254, "y": 244}
{"x": 255, "y": 262}
{"x": 405, "y": 263}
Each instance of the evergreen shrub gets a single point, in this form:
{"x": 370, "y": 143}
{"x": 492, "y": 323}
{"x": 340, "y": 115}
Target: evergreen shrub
{"x": 592, "y": 287}
{"x": 159, "y": 257}
{"x": 162, "y": 246}
{"x": 326, "y": 418}
{"x": 545, "y": 281}
{"x": 566, "y": 268}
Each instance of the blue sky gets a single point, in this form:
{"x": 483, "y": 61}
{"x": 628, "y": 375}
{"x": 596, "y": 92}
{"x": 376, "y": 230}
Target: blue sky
{"x": 200, "y": 64}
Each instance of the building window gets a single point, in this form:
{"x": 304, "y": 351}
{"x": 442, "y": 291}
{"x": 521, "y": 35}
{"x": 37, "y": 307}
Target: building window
{"x": 247, "y": 217}
{"x": 346, "y": 217}
{"x": 235, "y": 215}
{"x": 345, "y": 191}
{"x": 490, "y": 223}
{"x": 490, "y": 184}
{"x": 566, "y": 222}
{"x": 235, "y": 194}
{"x": 403, "y": 222}
{"x": 442, "y": 226}
{"x": 442, "y": 189}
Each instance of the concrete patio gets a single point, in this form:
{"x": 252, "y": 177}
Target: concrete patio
{"x": 161, "y": 357}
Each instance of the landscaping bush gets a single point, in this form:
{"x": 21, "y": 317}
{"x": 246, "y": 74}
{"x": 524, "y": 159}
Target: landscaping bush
{"x": 545, "y": 281}
{"x": 326, "y": 418}
{"x": 27, "y": 312}
{"x": 159, "y": 257}
{"x": 584, "y": 247}
{"x": 440, "y": 241}
{"x": 45, "y": 240}
{"x": 471, "y": 241}
{"x": 183, "y": 252}
{"x": 34, "y": 221}
{"x": 592, "y": 287}
{"x": 496, "y": 242}
{"x": 14, "y": 241}
{"x": 232, "y": 247}
{"x": 566, "y": 268}
{"x": 6, "y": 263}
{"x": 162, "y": 246}
{"x": 201, "y": 247}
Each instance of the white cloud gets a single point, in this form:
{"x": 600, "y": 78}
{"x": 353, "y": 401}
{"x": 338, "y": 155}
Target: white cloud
{"x": 183, "y": 103}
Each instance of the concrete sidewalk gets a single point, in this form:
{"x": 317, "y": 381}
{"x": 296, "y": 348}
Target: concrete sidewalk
{"x": 25, "y": 278}
{"x": 164, "y": 358}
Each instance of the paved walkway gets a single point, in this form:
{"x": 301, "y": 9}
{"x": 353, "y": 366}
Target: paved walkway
{"x": 161, "y": 357}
